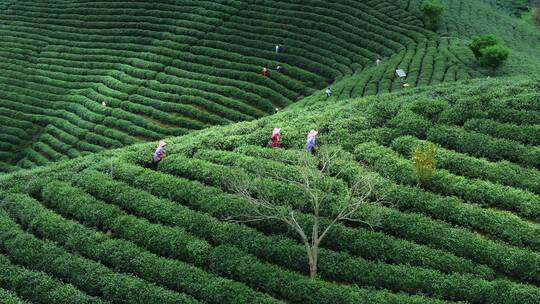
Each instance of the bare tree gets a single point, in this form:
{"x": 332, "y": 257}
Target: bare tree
{"x": 313, "y": 180}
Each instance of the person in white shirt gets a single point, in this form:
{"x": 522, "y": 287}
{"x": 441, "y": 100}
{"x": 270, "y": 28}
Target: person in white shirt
{"x": 328, "y": 92}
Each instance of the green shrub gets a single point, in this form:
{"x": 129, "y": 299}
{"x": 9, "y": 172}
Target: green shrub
{"x": 481, "y": 145}
{"x": 408, "y": 122}
{"x": 462, "y": 242}
{"x": 525, "y": 134}
{"x": 429, "y": 108}
{"x": 217, "y": 258}
{"x": 424, "y": 161}
{"x": 489, "y": 50}
{"x": 8, "y": 297}
{"x": 455, "y": 240}
{"x": 369, "y": 244}
{"x": 481, "y": 42}
{"x": 515, "y": 116}
{"x": 44, "y": 289}
{"x": 125, "y": 256}
{"x": 494, "y": 56}
{"x": 433, "y": 10}
{"x": 175, "y": 190}
{"x": 92, "y": 277}
{"x": 461, "y": 164}
{"x": 296, "y": 288}
{"x": 503, "y": 226}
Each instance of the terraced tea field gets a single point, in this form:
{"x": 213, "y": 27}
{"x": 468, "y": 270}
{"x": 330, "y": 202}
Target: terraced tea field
{"x": 169, "y": 67}
{"x": 104, "y": 229}
{"x": 430, "y": 62}
{"x": 88, "y": 87}
{"x": 465, "y": 19}
{"x": 446, "y": 57}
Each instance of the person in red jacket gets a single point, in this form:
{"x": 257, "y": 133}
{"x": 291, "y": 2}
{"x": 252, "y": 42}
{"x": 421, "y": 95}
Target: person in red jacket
{"x": 264, "y": 71}
{"x": 276, "y": 136}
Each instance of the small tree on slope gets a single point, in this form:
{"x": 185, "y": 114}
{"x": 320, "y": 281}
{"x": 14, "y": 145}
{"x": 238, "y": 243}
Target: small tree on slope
{"x": 481, "y": 42}
{"x": 494, "y": 56}
{"x": 424, "y": 162}
{"x": 433, "y": 10}
{"x": 325, "y": 210}
{"x": 489, "y": 51}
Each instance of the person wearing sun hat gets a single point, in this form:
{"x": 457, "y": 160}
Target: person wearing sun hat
{"x": 276, "y": 136}
{"x": 159, "y": 154}
{"x": 311, "y": 143}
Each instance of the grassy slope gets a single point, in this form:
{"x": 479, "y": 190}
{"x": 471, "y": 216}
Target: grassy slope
{"x": 476, "y": 221}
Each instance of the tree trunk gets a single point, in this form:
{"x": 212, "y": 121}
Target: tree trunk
{"x": 314, "y": 244}
{"x": 313, "y": 256}
{"x": 313, "y": 271}
{"x": 313, "y": 260}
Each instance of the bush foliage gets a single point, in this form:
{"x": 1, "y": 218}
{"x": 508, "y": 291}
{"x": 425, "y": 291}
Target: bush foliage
{"x": 104, "y": 228}
{"x": 433, "y": 11}
{"x": 489, "y": 50}
{"x": 167, "y": 227}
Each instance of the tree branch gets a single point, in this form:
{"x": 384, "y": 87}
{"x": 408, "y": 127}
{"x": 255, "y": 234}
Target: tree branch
{"x": 310, "y": 176}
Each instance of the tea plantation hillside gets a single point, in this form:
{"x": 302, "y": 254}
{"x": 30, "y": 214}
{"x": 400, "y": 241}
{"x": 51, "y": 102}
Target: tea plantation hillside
{"x": 165, "y": 68}
{"x": 465, "y": 19}
{"x": 513, "y": 7}
{"x": 104, "y": 229}
{"x": 447, "y": 57}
